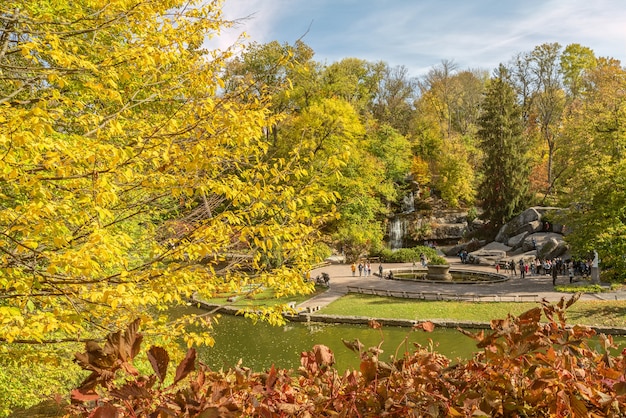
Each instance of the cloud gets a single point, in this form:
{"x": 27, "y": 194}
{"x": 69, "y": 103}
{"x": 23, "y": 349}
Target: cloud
{"x": 420, "y": 34}
{"x": 256, "y": 18}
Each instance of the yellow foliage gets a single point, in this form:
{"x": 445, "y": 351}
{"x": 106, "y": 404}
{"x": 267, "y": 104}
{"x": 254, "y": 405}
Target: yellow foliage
{"x": 112, "y": 127}
{"x": 420, "y": 170}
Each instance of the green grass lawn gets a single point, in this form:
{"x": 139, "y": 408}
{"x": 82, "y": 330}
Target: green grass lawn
{"x": 598, "y": 313}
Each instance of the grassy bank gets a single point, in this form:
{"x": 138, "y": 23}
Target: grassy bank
{"x": 597, "y": 313}
{"x": 258, "y": 297}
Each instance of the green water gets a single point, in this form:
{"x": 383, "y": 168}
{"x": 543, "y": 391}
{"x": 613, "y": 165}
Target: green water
{"x": 261, "y": 345}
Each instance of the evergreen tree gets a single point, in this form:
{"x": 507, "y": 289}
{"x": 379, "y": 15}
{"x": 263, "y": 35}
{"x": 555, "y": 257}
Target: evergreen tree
{"x": 505, "y": 169}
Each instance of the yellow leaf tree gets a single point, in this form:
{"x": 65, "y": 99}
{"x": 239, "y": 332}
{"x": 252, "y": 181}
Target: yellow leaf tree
{"x": 128, "y": 178}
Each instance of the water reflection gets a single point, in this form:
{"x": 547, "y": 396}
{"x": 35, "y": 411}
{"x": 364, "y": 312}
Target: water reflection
{"x": 261, "y": 345}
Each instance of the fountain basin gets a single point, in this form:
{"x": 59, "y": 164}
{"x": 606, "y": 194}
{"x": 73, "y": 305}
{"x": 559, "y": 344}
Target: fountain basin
{"x": 439, "y": 272}
{"x": 457, "y": 276}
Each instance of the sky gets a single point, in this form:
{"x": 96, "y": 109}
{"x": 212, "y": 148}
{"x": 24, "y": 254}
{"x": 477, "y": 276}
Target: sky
{"x": 420, "y": 34}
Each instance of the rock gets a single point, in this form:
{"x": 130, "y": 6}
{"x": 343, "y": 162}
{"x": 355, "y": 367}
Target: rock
{"x": 469, "y": 246}
{"x": 553, "y": 247}
{"x": 496, "y": 246}
{"x": 529, "y": 221}
{"x": 535, "y": 226}
{"x": 548, "y": 245}
{"x": 448, "y": 231}
{"x": 517, "y": 241}
{"x": 486, "y": 256}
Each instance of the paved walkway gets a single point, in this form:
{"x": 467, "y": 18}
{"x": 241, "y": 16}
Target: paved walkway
{"x": 540, "y": 285}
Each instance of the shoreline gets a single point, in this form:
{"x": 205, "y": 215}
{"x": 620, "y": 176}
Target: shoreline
{"x": 312, "y": 317}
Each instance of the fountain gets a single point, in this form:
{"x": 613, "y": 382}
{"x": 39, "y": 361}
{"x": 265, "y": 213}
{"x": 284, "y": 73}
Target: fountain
{"x": 453, "y": 276}
{"x": 438, "y": 272}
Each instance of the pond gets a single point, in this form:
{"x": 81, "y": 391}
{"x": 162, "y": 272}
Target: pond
{"x": 260, "y": 345}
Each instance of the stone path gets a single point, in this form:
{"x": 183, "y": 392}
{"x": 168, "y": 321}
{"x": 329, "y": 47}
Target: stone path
{"x": 530, "y": 288}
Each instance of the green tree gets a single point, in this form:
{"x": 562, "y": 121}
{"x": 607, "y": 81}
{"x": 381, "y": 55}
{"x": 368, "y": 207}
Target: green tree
{"x": 353, "y": 80}
{"x": 284, "y": 74}
{"x": 331, "y": 142}
{"x": 594, "y": 167}
{"x": 393, "y": 151}
{"x": 576, "y": 60}
{"x": 504, "y": 185}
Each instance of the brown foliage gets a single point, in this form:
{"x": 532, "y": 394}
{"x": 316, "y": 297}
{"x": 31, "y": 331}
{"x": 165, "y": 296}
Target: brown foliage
{"x": 525, "y": 367}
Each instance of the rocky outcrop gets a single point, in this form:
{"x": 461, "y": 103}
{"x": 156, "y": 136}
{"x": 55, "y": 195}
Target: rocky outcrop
{"x": 528, "y": 222}
{"x": 489, "y": 254}
{"x": 532, "y": 233}
{"x": 469, "y": 246}
{"x": 529, "y": 234}
{"x": 444, "y": 230}
{"x": 548, "y": 245}
{"x": 439, "y": 224}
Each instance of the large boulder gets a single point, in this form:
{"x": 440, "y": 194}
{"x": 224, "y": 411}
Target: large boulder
{"x": 472, "y": 245}
{"x": 517, "y": 241}
{"x": 548, "y": 245}
{"x": 490, "y": 254}
{"x": 529, "y": 221}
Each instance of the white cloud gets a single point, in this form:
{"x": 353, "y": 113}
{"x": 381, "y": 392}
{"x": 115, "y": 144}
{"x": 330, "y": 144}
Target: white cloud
{"x": 256, "y": 18}
{"x": 420, "y": 34}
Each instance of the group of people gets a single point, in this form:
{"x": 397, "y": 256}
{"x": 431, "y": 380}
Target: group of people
{"x": 365, "y": 269}
{"x": 549, "y": 267}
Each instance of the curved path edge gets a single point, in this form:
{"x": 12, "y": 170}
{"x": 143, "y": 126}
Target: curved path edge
{"x": 533, "y": 288}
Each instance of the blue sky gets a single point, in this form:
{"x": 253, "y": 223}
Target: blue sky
{"x": 419, "y": 34}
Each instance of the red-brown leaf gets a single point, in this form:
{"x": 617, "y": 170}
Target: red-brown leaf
{"x": 78, "y": 396}
{"x": 323, "y": 355}
{"x": 368, "y": 369}
{"x": 427, "y": 326}
{"x": 105, "y": 411}
{"x": 356, "y": 345}
{"x": 372, "y": 323}
{"x": 131, "y": 390}
{"x": 186, "y": 366}
{"x": 159, "y": 360}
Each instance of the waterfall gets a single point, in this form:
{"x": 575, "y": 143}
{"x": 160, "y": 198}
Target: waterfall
{"x": 397, "y": 228}
{"x": 408, "y": 203}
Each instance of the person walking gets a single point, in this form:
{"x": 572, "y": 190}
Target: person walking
{"x": 555, "y": 273}
{"x": 360, "y": 269}
{"x": 380, "y": 271}
{"x": 353, "y": 267}
{"x": 570, "y": 271}
{"x": 522, "y": 268}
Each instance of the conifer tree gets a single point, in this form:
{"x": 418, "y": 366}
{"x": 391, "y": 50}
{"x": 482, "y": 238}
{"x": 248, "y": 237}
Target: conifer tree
{"x": 504, "y": 186}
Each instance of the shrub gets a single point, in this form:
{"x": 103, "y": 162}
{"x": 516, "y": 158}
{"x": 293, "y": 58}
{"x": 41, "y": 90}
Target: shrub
{"x": 407, "y": 255}
{"x": 437, "y": 260}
